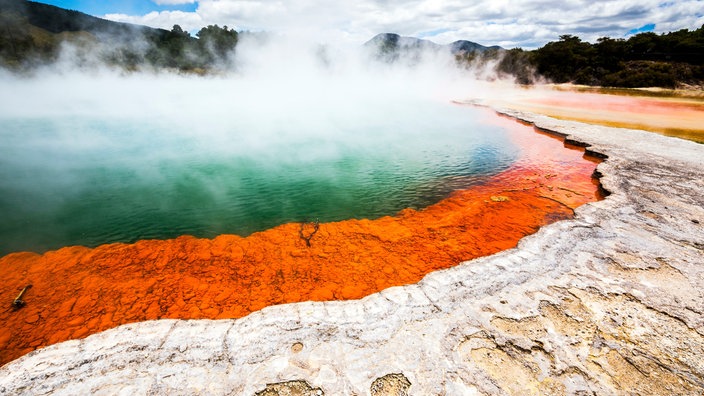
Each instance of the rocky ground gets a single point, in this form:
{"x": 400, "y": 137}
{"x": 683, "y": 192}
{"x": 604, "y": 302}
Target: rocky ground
{"x": 610, "y": 302}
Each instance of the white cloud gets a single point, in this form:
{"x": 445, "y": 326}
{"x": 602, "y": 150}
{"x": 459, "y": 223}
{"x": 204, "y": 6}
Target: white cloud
{"x": 526, "y": 23}
{"x": 189, "y": 21}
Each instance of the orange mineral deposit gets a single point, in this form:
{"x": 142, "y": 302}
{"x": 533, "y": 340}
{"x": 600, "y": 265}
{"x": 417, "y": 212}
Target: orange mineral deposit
{"x": 77, "y": 291}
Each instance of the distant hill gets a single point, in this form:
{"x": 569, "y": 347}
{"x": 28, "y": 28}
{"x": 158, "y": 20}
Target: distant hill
{"x": 58, "y": 20}
{"x": 464, "y": 46}
{"x": 391, "y": 47}
{"x": 33, "y": 34}
{"x": 391, "y": 41}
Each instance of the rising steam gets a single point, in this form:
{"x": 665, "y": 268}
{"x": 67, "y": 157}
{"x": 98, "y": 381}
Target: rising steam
{"x": 288, "y": 131}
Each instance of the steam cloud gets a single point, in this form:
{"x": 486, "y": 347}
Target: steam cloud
{"x": 76, "y": 138}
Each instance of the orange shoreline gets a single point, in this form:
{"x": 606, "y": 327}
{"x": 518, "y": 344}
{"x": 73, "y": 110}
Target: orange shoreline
{"x": 679, "y": 115}
{"x": 78, "y": 291}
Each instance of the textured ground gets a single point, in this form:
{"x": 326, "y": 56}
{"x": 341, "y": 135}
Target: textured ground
{"x": 608, "y": 303}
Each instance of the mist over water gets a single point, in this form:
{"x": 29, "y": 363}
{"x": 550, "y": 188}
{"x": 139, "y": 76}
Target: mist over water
{"x": 91, "y": 157}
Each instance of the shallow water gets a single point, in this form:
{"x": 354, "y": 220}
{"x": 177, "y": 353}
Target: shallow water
{"x": 677, "y": 116}
{"x": 89, "y": 179}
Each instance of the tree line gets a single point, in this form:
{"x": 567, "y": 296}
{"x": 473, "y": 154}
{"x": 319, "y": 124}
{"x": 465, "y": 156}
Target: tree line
{"x": 643, "y": 60}
{"x": 34, "y": 34}
{"x": 212, "y": 47}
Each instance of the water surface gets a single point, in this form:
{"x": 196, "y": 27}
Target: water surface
{"x": 89, "y": 179}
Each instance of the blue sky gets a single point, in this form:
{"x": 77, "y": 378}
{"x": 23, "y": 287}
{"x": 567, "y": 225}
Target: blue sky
{"x": 645, "y": 28}
{"x": 508, "y": 23}
{"x": 128, "y": 7}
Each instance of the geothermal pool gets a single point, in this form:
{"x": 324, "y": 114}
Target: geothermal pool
{"x": 89, "y": 179}
{"x": 123, "y": 208}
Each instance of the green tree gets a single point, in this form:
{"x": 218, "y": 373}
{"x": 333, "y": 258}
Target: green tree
{"x": 609, "y": 54}
{"x": 569, "y": 59}
{"x": 217, "y": 41}
{"x": 517, "y": 63}
{"x": 643, "y": 46}
{"x": 174, "y": 49}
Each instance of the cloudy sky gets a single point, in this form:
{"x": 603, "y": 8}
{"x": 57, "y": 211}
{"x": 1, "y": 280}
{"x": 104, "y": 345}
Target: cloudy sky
{"x": 509, "y": 23}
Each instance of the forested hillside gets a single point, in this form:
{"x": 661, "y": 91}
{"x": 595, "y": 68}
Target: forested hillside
{"x": 33, "y": 34}
{"x": 643, "y": 60}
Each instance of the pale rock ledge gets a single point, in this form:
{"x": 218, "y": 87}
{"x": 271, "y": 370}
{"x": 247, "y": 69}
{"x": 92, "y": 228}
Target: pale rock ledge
{"x": 609, "y": 303}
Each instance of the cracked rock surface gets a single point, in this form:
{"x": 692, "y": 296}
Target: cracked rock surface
{"x": 610, "y": 302}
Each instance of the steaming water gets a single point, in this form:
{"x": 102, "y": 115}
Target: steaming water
{"x": 121, "y": 160}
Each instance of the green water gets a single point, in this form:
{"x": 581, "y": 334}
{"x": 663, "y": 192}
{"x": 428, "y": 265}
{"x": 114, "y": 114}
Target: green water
{"x": 89, "y": 180}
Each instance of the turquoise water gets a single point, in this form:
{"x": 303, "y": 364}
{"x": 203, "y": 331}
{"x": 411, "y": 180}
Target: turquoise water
{"x": 87, "y": 180}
